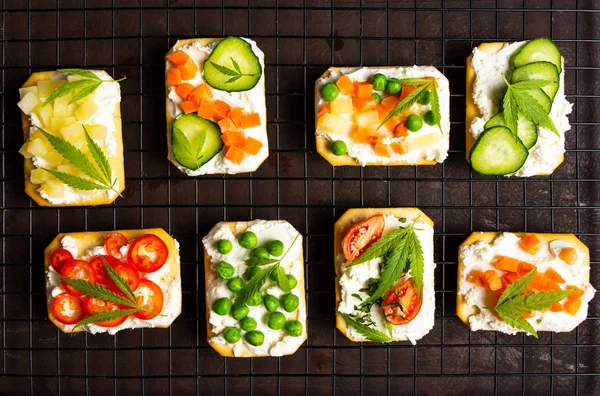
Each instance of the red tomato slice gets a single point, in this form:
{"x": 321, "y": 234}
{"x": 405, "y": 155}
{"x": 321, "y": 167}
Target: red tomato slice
{"x": 113, "y": 244}
{"x": 401, "y": 304}
{"x": 59, "y": 257}
{"x": 361, "y": 236}
{"x": 129, "y": 273}
{"x": 67, "y": 309}
{"x": 94, "y": 306}
{"x": 150, "y": 296}
{"x": 101, "y": 274}
{"x": 148, "y": 253}
{"x": 77, "y": 269}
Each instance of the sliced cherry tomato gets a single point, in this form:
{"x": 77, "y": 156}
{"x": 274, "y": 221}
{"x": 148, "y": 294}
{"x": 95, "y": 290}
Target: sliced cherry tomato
{"x": 77, "y": 269}
{"x": 59, "y": 257}
{"x": 148, "y": 253}
{"x": 94, "y": 306}
{"x": 361, "y": 236}
{"x": 101, "y": 274}
{"x": 67, "y": 309}
{"x": 150, "y": 296}
{"x": 401, "y": 304}
{"x": 129, "y": 273}
{"x": 113, "y": 244}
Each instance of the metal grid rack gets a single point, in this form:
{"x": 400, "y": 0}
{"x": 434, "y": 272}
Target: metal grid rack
{"x": 300, "y": 39}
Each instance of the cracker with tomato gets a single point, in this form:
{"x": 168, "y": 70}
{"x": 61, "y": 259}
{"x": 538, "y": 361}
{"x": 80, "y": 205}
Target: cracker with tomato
{"x": 148, "y": 260}
{"x": 489, "y": 262}
{"x": 401, "y": 308}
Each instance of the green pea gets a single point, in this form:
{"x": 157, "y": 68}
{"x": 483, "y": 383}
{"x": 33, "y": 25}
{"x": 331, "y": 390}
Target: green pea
{"x": 256, "y": 338}
{"x": 339, "y": 147}
{"x": 222, "y": 306}
{"x": 276, "y": 248}
{"x": 224, "y": 246}
{"x": 271, "y": 303}
{"x": 290, "y": 302}
{"x": 275, "y": 320}
{"x": 248, "y": 240}
{"x": 255, "y": 300}
{"x": 253, "y": 272}
{"x": 261, "y": 252}
{"x": 414, "y": 123}
{"x": 425, "y": 98}
{"x": 330, "y": 91}
{"x": 293, "y": 281}
{"x": 232, "y": 335}
{"x": 393, "y": 86}
{"x": 239, "y": 312}
{"x": 235, "y": 284}
{"x": 376, "y": 97}
{"x": 225, "y": 270}
{"x": 431, "y": 118}
{"x": 379, "y": 82}
{"x": 294, "y": 328}
{"x": 248, "y": 323}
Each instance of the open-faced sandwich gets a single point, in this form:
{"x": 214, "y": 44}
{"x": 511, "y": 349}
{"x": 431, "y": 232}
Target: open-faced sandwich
{"x": 523, "y": 282}
{"x": 384, "y": 272}
{"x": 72, "y": 131}
{"x": 216, "y": 109}
{"x": 382, "y": 115}
{"x": 516, "y": 108}
{"x": 103, "y": 282}
{"x": 255, "y": 302}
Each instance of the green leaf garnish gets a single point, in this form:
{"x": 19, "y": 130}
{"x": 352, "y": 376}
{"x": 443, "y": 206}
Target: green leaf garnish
{"x": 105, "y": 316}
{"x": 87, "y": 86}
{"x": 88, "y": 90}
{"x": 435, "y": 105}
{"x": 81, "y": 72}
{"x": 253, "y": 261}
{"x": 236, "y": 74}
{"x": 120, "y": 282}
{"x": 364, "y": 330}
{"x": 98, "y": 156}
{"x": 282, "y": 280}
{"x": 182, "y": 147}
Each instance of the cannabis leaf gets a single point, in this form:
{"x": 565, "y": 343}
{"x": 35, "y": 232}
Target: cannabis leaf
{"x": 105, "y": 316}
{"x": 182, "y": 148}
{"x": 87, "y": 86}
{"x": 120, "y": 282}
{"x": 97, "y": 291}
{"x": 435, "y": 106}
{"x": 81, "y": 72}
{"x": 369, "y": 332}
{"x": 236, "y": 74}
{"x": 380, "y": 247}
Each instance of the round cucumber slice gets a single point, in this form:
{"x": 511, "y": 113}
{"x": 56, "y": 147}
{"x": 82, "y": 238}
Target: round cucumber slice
{"x": 538, "y": 50}
{"x": 194, "y": 140}
{"x": 232, "y": 66}
{"x": 498, "y": 152}
{"x": 539, "y": 71}
{"x": 526, "y": 129}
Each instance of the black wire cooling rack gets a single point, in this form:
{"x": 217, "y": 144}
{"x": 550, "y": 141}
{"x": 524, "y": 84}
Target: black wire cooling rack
{"x": 300, "y": 39}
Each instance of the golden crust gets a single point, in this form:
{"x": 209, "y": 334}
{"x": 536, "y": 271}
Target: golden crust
{"x": 116, "y": 163}
{"x": 86, "y": 240}
{"x": 464, "y": 311}
{"x": 224, "y": 349}
{"x": 472, "y": 110}
{"x": 342, "y": 225}
{"x": 324, "y": 147}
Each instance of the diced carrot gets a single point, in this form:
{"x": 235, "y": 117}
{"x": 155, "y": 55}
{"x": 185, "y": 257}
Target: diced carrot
{"x": 227, "y": 125}
{"x": 174, "y": 77}
{"x": 178, "y": 57}
{"x": 251, "y": 146}
{"x": 184, "y": 89}
{"x": 392, "y": 123}
{"x": 361, "y": 135}
{"x": 382, "y": 150}
{"x": 389, "y": 103}
{"x": 398, "y": 147}
{"x": 556, "y": 307}
{"x": 508, "y": 264}
{"x": 551, "y": 284}
{"x": 236, "y": 116}
{"x": 401, "y": 130}
{"x": 233, "y": 138}
{"x": 221, "y": 110}
{"x": 504, "y": 284}
{"x": 555, "y": 276}
{"x": 531, "y": 244}
{"x": 364, "y": 90}
{"x": 476, "y": 278}
{"x": 511, "y": 277}
{"x": 576, "y": 294}
{"x": 382, "y": 112}
{"x": 363, "y": 104}
{"x": 235, "y": 155}
{"x": 538, "y": 282}
{"x": 201, "y": 93}
{"x": 524, "y": 268}
{"x": 250, "y": 120}
{"x": 345, "y": 85}
{"x": 526, "y": 315}
{"x": 188, "y": 69}
{"x": 406, "y": 89}
{"x": 323, "y": 110}
{"x": 572, "y": 306}
{"x": 206, "y": 109}
{"x": 188, "y": 107}
{"x": 491, "y": 280}
{"x": 568, "y": 255}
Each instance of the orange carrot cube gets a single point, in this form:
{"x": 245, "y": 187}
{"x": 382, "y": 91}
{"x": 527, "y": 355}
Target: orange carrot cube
{"x": 188, "y": 106}
{"x": 345, "y": 85}
{"x": 184, "y": 90}
{"x": 524, "y": 268}
{"x": 491, "y": 280}
{"x": 364, "y": 90}
{"x": 221, "y": 109}
{"x": 476, "y": 278}
{"x": 227, "y": 125}
{"x": 576, "y": 294}
{"x": 382, "y": 150}
{"x": 232, "y": 138}
{"x": 556, "y": 307}
{"x": 235, "y": 115}
{"x": 251, "y": 146}
{"x": 572, "y": 306}
{"x": 398, "y": 147}
{"x": 531, "y": 244}
{"x": 526, "y": 315}
{"x": 174, "y": 77}
{"x": 250, "y": 120}
{"x": 206, "y": 109}
{"x": 568, "y": 255}
{"x": 361, "y": 135}
{"x": 201, "y": 93}
{"x": 362, "y": 104}
{"x": 235, "y": 155}
{"x": 406, "y": 89}
{"x": 507, "y": 264}
{"x": 188, "y": 69}
{"x": 401, "y": 130}
{"x": 389, "y": 103}
{"x": 511, "y": 277}
{"x": 382, "y": 112}
{"x": 323, "y": 110}
{"x": 392, "y": 123}
{"x": 178, "y": 57}
{"x": 555, "y": 276}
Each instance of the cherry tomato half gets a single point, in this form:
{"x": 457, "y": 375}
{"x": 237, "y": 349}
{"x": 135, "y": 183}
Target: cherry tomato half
{"x": 113, "y": 244}
{"x": 148, "y": 253}
{"x": 129, "y": 273}
{"x": 361, "y": 236}
{"x": 94, "y": 306}
{"x": 150, "y": 296}
{"x": 67, "y": 309}
{"x": 401, "y": 304}
{"x": 101, "y": 274}
{"x": 77, "y": 269}
{"x": 59, "y": 257}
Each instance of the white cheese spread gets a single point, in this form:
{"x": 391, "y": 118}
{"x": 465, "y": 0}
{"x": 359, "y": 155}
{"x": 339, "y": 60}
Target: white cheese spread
{"x": 355, "y": 278}
{"x": 481, "y": 256}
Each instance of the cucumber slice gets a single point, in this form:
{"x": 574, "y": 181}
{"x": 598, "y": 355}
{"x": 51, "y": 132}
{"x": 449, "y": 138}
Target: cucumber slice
{"x": 202, "y": 140}
{"x": 526, "y": 129}
{"x": 543, "y": 99}
{"x": 538, "y": 50}
{"x": 232, "y": 66}
{"x": 539, "y": 71}
{"x": 498, "y": 152}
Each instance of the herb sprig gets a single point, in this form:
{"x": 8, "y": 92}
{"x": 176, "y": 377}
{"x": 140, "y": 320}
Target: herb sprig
{"x": 86, "y": 86}
{"x": 236, "y": 74}
{"x": 365, "y": 330}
